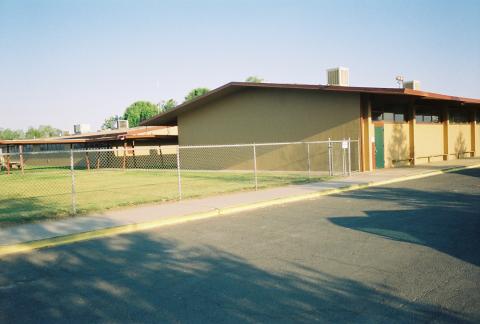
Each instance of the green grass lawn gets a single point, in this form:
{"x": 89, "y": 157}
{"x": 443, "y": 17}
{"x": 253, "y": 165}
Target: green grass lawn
{"x": 46, "y": 194}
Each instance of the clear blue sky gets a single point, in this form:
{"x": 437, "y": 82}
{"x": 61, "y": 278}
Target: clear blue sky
{"x": 66, "y": 62}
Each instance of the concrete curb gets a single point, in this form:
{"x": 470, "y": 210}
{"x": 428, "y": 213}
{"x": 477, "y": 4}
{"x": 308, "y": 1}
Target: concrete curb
{"x": 124, "y": 229}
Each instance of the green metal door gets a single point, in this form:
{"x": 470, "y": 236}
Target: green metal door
{"x": 379, "y": 150}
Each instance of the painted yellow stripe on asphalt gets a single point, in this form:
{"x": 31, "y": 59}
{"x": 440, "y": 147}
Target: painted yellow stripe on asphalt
{"x": 125, "y": 229}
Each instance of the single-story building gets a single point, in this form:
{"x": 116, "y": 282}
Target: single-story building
{"x": 134, "y": 148}
{"x": 394, "y": 126}
{"x": 142, "y": 136}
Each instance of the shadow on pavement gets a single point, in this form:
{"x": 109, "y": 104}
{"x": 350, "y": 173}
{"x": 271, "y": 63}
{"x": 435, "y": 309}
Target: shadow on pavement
{"x": 447, "y": 221}
{"x": 143, "y": 278}
{"x": 14, "y": 211}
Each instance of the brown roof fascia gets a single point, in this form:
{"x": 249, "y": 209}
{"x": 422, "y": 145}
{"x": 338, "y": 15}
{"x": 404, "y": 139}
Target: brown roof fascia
{"x": 85, "y": 140}
{"x": 439, "y": 96}
{"x": 150, "y": 136}
{"x": 169, "y": 117}
{"x": 212, "y": 94}
{"x": 40, "y": 141}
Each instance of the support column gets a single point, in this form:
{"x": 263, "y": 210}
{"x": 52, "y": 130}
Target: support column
{"x": 124, "y": 155}
{"x": 411, "y": 132}
{"x": 20, "y": 149}
{"x": 8, "y": 159}
{"x": 473, "y": 133}
{"x": 446, "y": 124}
{"x": 134, "y": 157}
{"x": 365, "y": 123}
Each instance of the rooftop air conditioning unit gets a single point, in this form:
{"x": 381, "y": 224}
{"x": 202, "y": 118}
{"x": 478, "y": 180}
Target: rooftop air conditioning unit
{"x": 414, "y": 85}
{"x": 81, "y": 128}
{"x": 122, "y": 124}
{"x": 338, "y": 76}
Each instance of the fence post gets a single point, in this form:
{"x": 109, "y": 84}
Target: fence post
{"x": 20, "y": 149}
{"x": 255, "y": 165}
{"x": 74, "y": 194}
{"x": 308, "y": 160}
{"x": 179, "y": 175}
{"x": 8, "y": 160}
{"x": 97, "y": 166}
{"x": 87, "y": 160}
{"x": 344, "y": 159}
{"x": 349, "y": 156}
{"x": 330, "y": 158}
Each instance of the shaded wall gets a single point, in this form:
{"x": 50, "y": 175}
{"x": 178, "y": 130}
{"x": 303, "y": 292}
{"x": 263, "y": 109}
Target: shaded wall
{"x": 271, "y": 115}
{"x": 153, "y": 157}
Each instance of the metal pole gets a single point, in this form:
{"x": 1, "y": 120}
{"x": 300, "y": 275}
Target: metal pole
{"x": 74, "y": 194}
{"x": 308, "y": 159}
{"x": 255, "y": 165}
{"x": 179, "y": 175}
{"x": 349, "y": 156}
{"x": 330, "y": 158}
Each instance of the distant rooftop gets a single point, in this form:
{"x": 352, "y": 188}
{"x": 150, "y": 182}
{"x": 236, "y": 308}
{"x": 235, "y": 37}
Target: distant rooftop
{"x": 141, "y": 132}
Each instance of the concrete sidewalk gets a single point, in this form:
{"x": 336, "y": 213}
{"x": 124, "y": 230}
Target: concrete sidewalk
{"x": 183, "y": 209}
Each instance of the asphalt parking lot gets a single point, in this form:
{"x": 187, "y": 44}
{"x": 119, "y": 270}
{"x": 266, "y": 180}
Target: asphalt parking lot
{"x": 408, "y": 252}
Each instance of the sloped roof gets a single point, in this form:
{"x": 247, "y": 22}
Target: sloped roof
{"x": 142, "y": 132}
{"x": 170, "y": 117}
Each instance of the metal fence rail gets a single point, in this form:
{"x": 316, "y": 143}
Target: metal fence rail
{"x": 79, "y": 181}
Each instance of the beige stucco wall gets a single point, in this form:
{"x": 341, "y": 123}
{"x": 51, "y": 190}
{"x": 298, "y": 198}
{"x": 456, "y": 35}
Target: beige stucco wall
{"x": 396, "y": 144}
{"x": 459, "y": 138}
{"x": 272, "y": 115}
{"x": 428, "y": 142}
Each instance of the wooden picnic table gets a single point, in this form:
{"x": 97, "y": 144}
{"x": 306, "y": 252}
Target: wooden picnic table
{"x": 11, "y": 165}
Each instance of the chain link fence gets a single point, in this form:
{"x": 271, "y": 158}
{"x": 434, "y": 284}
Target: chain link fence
{"x": 39, "y": 185}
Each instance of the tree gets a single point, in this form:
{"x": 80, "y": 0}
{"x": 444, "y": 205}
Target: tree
{"x": 110, "y": 123}
{"x": 254, "y": 79}
{"x": 42, "y": 131}
{"x": 167, "y": 105}
{"x": 139, "y": 111}
{"x": 197, "y": 92}
{"x": 10, "y": 134}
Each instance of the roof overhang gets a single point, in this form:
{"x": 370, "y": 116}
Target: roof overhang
{"x": 88, "y": 140}
{"x": 143, "y": 133}
{"x": 170, "y": 117}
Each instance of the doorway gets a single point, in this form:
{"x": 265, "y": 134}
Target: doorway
{"x": 379, "y": 147}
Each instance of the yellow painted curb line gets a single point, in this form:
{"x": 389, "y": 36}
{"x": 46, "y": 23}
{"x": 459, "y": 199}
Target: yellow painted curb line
{"x": 124, "y": 229}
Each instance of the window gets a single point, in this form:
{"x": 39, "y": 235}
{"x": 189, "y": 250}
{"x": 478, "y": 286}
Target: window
{"x": 51, "y": 147}
{"x": 399, "y": 117}
{"x": 424, "y": 115}
{"x": 396, "y": 115}
{"x": 377, "y": 115}
{"x": 459, "y": 116}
